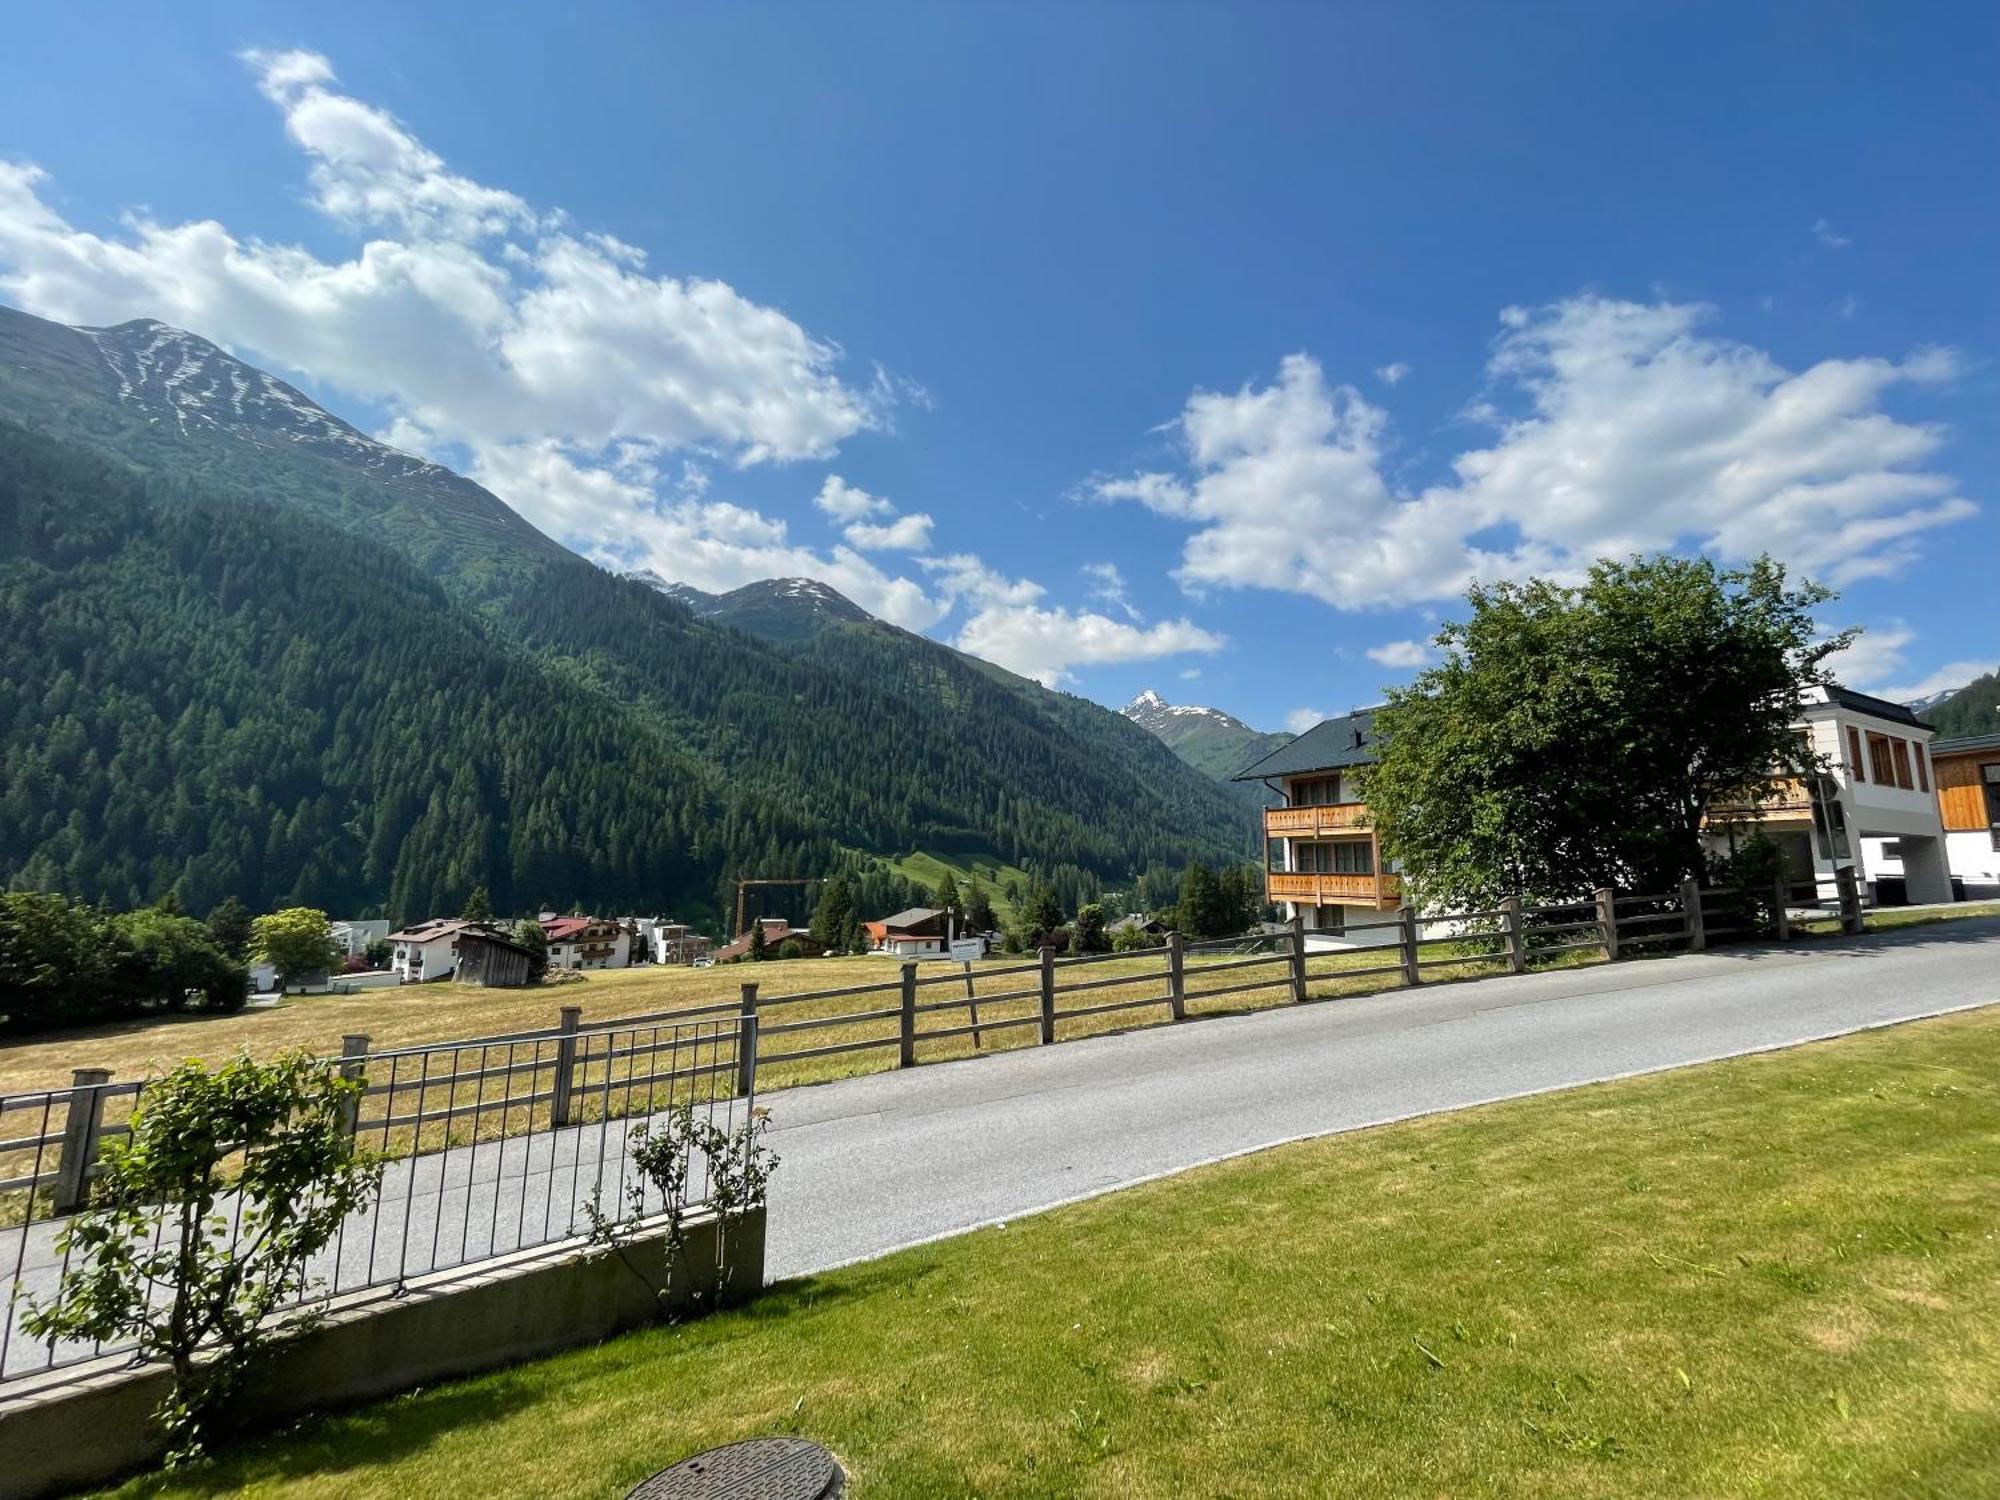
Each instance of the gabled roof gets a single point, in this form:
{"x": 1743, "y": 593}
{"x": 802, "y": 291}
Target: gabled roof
{"x": 1331, "y": 745}
{"x": 1880, "y": 708}
{"x": 916, "y": 916}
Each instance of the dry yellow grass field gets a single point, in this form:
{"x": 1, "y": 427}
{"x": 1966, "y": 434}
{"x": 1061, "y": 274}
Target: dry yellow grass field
{"x": 417, "y": 1014}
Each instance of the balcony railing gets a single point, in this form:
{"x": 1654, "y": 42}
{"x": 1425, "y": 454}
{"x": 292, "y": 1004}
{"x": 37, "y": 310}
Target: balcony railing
{"x": 1788, "y": 798}
{"x": 1380, "y": 890}
{"x": 1305, "y": 822}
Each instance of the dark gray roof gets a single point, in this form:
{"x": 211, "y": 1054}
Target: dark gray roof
{"x": 1330, "y": 745}
{"x": 912, "y": 917}
{"x": 1881, "y": 708}
{"x": 1965, "y": 742}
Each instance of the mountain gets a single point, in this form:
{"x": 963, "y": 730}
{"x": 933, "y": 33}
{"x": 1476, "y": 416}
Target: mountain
{"x": 1972, "y": 709}
{"x": 1213, "y": 742}
{"x": 783, "y": 611}
{"x": 206, "y": 710}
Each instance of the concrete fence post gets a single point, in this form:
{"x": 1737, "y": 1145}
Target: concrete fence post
{"x": 907, "y": 1053}
{"x": 353, "y": 1065}
{"x": 1048, "y": 995}
{"x": 1406, "y": 918}
{"x": 1850, "y": 899}
{"x": 1607, "y": 920}
{"x": 1691, "y": 915}
{"x": 563, "y": 1088}
{"x": 746, "y": 1042}
{"x": 1176, "y": 976}
{"x": 81, "y": 1122}
{"x": 1517, "y": 944}
{"x": 1781, "y": 910}
{"x": 1298, "y": 960}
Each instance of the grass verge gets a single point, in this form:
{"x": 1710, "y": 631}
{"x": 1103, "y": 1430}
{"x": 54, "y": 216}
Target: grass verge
{"x": 1774, "y": 1276}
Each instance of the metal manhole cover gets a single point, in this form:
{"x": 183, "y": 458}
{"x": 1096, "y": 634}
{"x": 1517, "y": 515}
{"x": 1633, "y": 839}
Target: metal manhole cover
{"x": 760, "y": 1469}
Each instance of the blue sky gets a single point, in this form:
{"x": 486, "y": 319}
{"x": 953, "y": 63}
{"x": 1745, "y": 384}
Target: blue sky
{"x": 1197, "y": 347}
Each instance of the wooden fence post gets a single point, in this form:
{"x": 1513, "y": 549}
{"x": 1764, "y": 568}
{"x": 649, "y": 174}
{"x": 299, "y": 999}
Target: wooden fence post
{"x": 1691, "y": 916}
{"x": 1781, "y": 910}
{"x": 1176, "y": 977}
{"x": 1517, "y": 946}
{"x": 1048, "y": 995}
{"x": 746, "y": 1042}
{"x": 1406, "y": 937}
{"x": 1298, "y": 960}
{"x": 1607, "y": 919}
{"x": 353, "y": 1063}
{"x": 907, "y": 1054}
{"x": 79, "y": 1138}
{"x": 564, "y": 1085}
{"x": 1850, "y": 899}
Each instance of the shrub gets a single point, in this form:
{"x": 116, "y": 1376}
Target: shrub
{"x": 159, "y": 1222}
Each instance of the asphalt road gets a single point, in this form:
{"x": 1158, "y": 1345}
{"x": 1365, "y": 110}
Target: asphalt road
{"x": 871, "y": 1164}
{"x": 875, "y": 1163}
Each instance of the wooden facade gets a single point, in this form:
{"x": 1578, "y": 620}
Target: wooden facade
{"x": 1963, "y": 784}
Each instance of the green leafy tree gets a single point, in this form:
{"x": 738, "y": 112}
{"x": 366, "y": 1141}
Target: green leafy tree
{"x": 791, "y": 947}
{"x": 1041, "y": 917}
{"x": 833, "y": 917}
{"x": 176, "y": 961}
{"x": 1573, "y": 738}
{"x": 1202, "y": 912}
{"x": 478, "y": 906}
{"x": 297, "y": 942}
{"x": 946, "y": 897}
{"x": 229, "y": 925}
{"x": 1088, "y": 931}
{"x": 158, "y": 1259}
{"x": 978, "y": 907}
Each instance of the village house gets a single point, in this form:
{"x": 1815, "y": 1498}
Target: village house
{"x": 1322, "y": 861}
{"x": 587, "y": 943}
{"x": 1874, "y": 809}
{"x": 777, "y": 932}
{"x": 920, "y": 932}
{"x": 429, "y": 950}
{"x": 1966, "y": 771}
{"x": 354, "y": 937}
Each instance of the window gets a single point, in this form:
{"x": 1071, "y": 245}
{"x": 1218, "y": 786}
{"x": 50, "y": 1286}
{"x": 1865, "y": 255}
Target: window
{"x": 1854, "y": 754}
{"x": 1879, "y": 770}
{"x": 1319, "y": 792}
{"x": 1902, "y": 752}
{"x": 1990, "y": 774}
{"x": 1923, "y": 768}
{"x": 1348, "y": 857}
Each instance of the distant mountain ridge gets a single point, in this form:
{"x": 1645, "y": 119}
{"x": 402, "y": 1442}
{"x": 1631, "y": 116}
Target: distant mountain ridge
{"x": 762, "y": 731}
{"x": 1213, "y": 742}
{"x": 1972, "y": 709}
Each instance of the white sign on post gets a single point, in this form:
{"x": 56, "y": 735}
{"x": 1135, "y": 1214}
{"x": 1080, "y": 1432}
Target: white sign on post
{"x": 965, "y": 950}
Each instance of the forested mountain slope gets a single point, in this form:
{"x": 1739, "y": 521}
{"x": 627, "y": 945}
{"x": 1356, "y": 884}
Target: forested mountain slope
{"x": 691, "y": 750}
{"x": 1973, "y": 709}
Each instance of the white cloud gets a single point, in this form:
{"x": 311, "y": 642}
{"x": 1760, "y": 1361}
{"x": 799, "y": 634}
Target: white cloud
{"x": 1635, "y": 432}
{"x": 1953, "y": 675}
{"x": 1299, "y": 720}
{"x": 844, "y": 502}
{"x": 1392, "y": 374}
{"x": 1190, "y": 674}
{"x": 474, "y": 318}
{"x": 911, "y": 533}
{"x": 1108, "y": 588}
{"x": 1045, "y": 643}
{"x": 1875, "y": 656}
{"x": 1828, "y": 236}
{"x": 1400, "y": 654}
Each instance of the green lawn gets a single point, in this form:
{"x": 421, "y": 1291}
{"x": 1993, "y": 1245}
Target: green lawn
{"x": 1775, "y": 1276}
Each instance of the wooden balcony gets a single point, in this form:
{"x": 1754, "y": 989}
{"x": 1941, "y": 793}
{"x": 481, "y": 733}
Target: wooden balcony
{"x": 1306, "y": 822}
{"x": 1380, "y": 892}
{"x": 1785, "y": 800}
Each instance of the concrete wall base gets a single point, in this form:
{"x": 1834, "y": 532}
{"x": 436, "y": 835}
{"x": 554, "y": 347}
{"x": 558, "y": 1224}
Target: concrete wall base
{"x": 93, "y": 1423}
